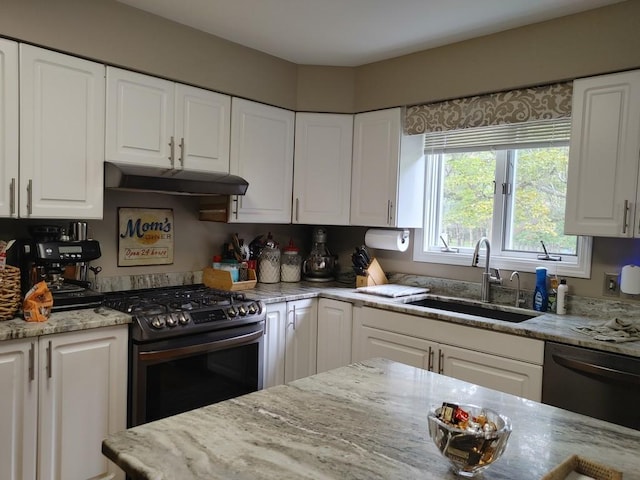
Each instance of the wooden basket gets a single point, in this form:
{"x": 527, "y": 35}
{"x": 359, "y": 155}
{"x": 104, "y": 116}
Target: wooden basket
{"x": 221, "y": 279}
{"x": 9, "y": 292}
{"x": 584, "y": 466}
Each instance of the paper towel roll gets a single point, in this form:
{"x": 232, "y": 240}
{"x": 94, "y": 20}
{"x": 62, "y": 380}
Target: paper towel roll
{"x": 396, "y": 240}
{"x": 630, "y": 280}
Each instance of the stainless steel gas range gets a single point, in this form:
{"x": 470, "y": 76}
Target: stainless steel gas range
{"x": 190, "y": 346}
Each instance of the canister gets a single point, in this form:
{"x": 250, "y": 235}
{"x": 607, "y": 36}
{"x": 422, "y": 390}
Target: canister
{"x": 291, "y": 263}
{"x": 269, "y": 265}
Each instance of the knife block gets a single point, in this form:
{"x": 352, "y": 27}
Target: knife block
{"x": 375, "y": 276}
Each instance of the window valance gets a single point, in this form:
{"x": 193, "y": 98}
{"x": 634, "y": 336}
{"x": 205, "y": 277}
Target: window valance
{"x": 514, "y": 106}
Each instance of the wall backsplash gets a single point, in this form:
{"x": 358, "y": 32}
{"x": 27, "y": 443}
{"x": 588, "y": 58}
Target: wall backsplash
{"x": 197, "y": 241}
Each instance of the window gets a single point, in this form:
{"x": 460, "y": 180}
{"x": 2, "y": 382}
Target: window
{"x": 506, "y": 183}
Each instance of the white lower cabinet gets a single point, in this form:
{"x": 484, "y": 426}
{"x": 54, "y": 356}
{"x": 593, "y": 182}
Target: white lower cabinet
{"x": 503, "y": 362}
{"x": 290, "y": 341}
{"x": 274, "y": 348}
{"x": 62, "y": 395}
{"x": 334, "y": 334}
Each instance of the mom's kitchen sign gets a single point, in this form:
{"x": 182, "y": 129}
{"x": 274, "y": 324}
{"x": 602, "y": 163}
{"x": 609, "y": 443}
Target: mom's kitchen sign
{"x": 145, "y": 236}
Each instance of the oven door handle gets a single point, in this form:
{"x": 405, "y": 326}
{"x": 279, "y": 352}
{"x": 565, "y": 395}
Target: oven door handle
{"x": 606, "y": 373}
{"x": 199, "y": 348}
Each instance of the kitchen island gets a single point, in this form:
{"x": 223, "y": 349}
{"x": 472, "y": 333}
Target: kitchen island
{"x": 364, "y": 421}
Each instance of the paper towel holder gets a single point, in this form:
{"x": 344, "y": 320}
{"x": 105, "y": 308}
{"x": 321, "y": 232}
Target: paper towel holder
{"x": 387, "y": 239}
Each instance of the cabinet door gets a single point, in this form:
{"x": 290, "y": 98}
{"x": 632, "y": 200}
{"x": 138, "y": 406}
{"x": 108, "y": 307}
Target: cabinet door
{"x": 334, "y": 334}
{"x": 603, "y": 156}
{"x": 301, "y": 344}
{"x": 262, "y": 153}
{"x": 140, "y": 119}
{"x": 376, "y": 150}
{"x": 502, "y": 374}
{"x": 322, "y": 173}
{"x": 83, "y": 388}
{"x": 203, "y": 124}
{"x": 412, "y": 351}
{"x": 61, "y": 135}
{"x": 8, "y": 128}
{"x": 18, "y": 409}
{"x": 274, "y": 348}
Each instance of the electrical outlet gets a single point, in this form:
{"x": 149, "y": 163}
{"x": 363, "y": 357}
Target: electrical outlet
{"x": 611, "y": 287}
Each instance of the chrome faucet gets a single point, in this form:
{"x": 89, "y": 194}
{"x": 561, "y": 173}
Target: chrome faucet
{"x": 487, "y": 277}
{"x": 519, "y": 298}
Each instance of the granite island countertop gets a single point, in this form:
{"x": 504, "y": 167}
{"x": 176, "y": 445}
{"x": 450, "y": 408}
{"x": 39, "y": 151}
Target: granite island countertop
{"x": 364, "y": 421}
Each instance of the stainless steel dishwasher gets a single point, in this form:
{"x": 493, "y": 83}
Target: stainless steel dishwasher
{"x": 592, "y": 382}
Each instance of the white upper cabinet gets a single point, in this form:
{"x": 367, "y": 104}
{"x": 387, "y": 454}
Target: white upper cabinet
{"x": 602, "y": 193}
{"x": 203, "y": 124}
{"x": 61, "y": 135}
{"x": 157, "y": 123}
{"x": 322, "y": 169}
{"x": 8, "y": 128}
{"x": 262, "y": 153}
{"x": 387, "y": 188}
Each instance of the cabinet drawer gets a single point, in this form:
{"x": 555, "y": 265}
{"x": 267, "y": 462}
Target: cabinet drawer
{"x": 497, "y": 343}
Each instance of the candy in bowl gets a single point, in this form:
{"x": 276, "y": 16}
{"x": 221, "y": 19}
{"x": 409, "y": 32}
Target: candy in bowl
{"x": 470, "y": 437}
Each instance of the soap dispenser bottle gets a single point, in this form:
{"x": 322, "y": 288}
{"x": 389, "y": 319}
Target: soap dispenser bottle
{"x": 540, "y": 294}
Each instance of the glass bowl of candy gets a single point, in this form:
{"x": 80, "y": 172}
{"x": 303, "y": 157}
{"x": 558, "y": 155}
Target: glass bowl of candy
{"x": 470, "y": 437}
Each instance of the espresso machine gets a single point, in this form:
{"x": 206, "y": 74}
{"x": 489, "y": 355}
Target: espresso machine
{"x": 47, "y": 255}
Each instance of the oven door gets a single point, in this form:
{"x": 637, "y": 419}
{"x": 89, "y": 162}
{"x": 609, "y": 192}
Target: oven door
{"x": 174, "y": 375}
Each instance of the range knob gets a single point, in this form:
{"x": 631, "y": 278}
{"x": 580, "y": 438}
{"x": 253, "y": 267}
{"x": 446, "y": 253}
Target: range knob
{"x": 252, "y": 308}
{"x": 242, "y": 310}
{"x": 157, "y": 323}
{"x": 172, "y": 321}
{"x": 182, "y": 318}
{"x": 232, "y": 312}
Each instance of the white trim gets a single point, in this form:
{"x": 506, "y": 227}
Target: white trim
{"x": 563, "y": 268}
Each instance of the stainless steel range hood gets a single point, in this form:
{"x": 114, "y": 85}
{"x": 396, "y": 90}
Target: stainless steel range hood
{"x": 174, "y": 182}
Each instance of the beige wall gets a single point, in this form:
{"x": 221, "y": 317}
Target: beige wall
{"x": 598, "y": 41}
{"x": 589, "y": 43}
{"x": 117, "y": 34}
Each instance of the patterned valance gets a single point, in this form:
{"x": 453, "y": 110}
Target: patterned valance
{"x": 535, "y": 103}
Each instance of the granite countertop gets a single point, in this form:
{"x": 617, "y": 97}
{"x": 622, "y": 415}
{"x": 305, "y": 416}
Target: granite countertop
{"x": 364, "y": 421}
{"x": 60, "y": 322}
{"x": 546, "y": 327}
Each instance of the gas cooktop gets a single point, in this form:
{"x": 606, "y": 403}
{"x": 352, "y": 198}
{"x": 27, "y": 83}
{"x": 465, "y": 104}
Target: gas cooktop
{"x": 183, "y": 310}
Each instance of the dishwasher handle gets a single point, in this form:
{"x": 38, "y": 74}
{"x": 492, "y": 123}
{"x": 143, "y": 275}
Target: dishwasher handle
{"x": 601, "y": 371}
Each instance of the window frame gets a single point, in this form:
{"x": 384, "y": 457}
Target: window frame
{"x": 500, "y": 258}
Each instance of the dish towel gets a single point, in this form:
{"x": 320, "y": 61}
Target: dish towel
{"x": 616, "y": 330}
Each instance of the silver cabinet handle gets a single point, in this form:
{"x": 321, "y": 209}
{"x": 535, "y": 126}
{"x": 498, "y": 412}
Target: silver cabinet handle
{"x": 182, "y": 151}
{"x": 430, "y": 362}
{"x": 234, "y": 212}
{"x": 625, "y": 215}
{"x": 32, "y": 353}
{"x": 441, "y": 362}
{"x": 172, "y": 151}
{"x": 297, "y": 208}
{"x": 12, "y": 196}
{"x": 389, "y": 212}
{"x": 49, "y": 369}
{"x": 29, "y": 197}
{"x": 292, "y": 323}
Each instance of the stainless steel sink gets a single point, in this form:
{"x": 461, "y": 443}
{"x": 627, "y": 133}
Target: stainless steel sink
{"x": 474, "y": 309}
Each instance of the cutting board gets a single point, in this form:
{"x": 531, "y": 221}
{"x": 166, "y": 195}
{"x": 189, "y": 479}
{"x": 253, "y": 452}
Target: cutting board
{"x": 392, "y": 290}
